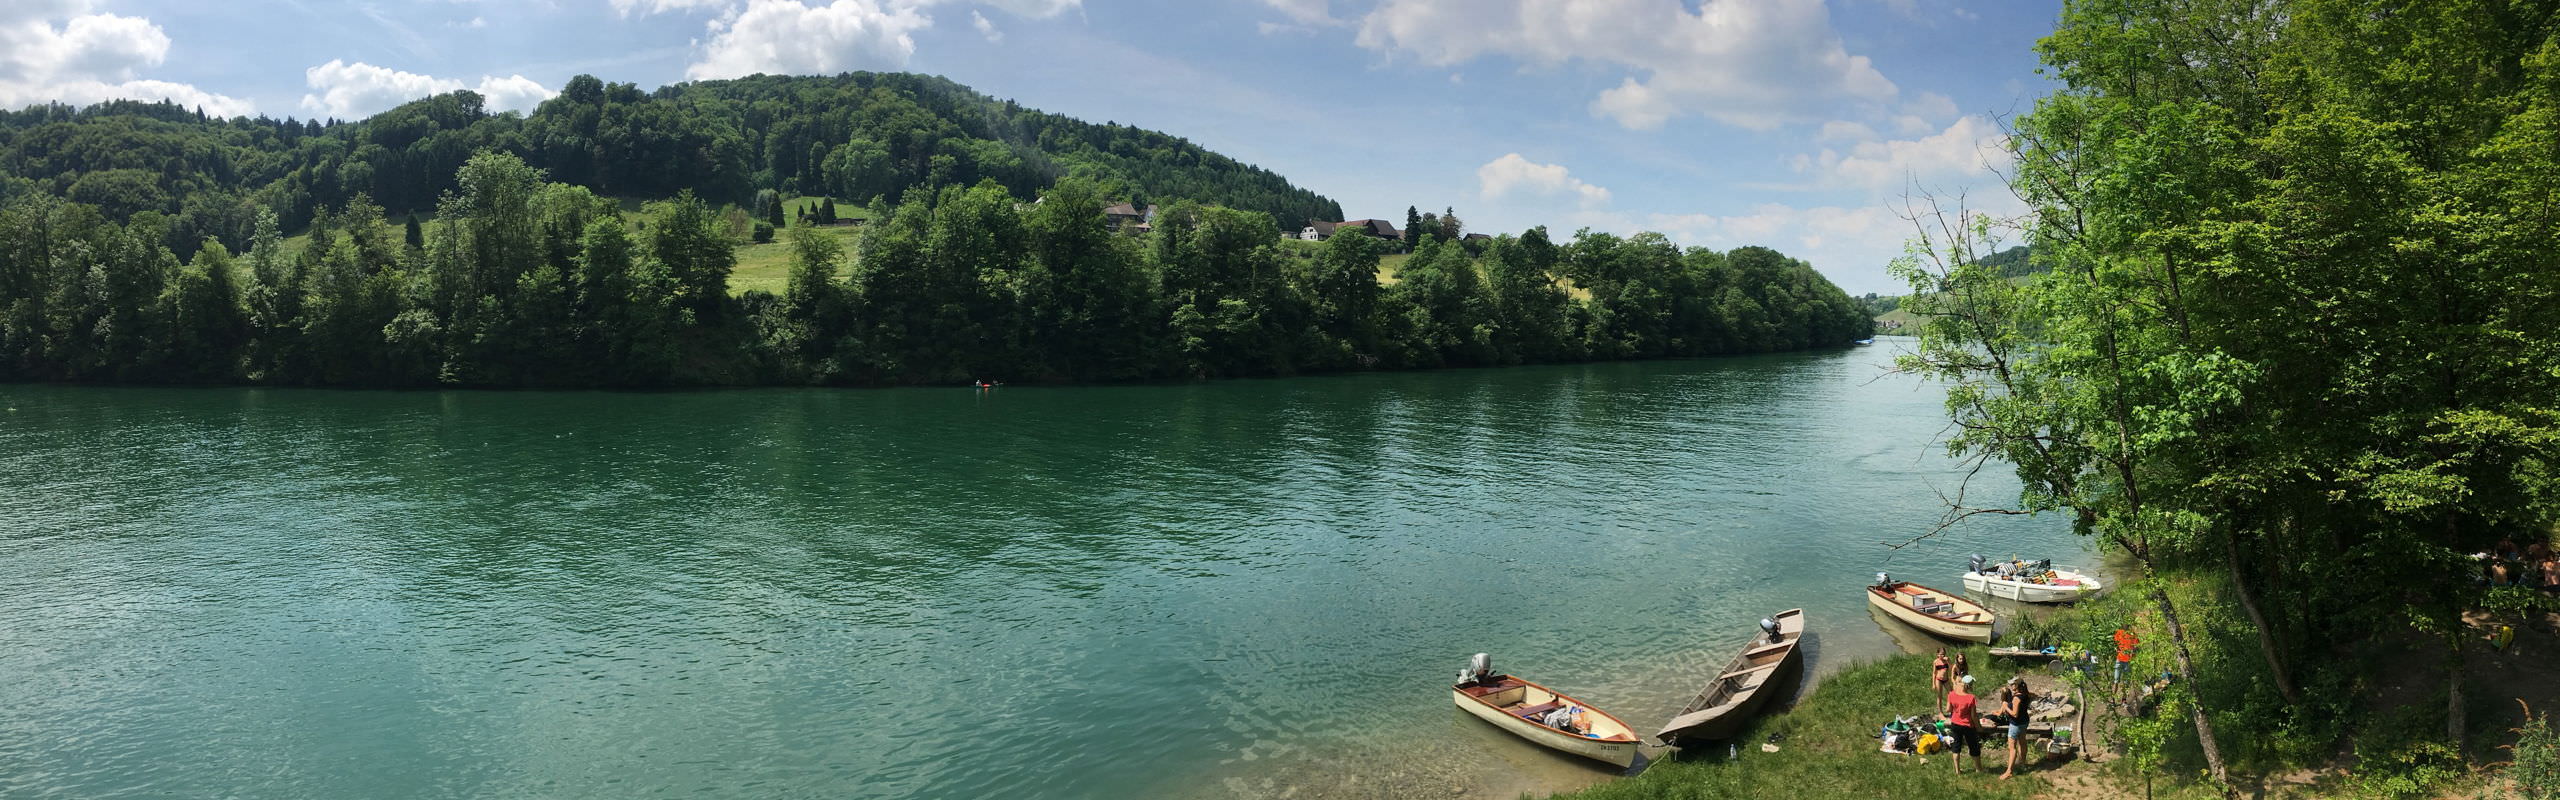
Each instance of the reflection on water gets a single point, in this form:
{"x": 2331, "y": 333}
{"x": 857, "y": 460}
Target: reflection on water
{"x": 1244, "y": 588}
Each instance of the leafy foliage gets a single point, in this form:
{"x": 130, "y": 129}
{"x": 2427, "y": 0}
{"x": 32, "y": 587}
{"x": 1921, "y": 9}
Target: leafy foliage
{"x": 857, "y": 135}
{"x": 2295, "y": 335}
{"x": 2536, "y": 768}
{"x": 518, "y": 281}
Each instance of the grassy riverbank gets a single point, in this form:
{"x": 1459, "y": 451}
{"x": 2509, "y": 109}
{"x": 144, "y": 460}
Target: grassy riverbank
{"x": 2375, "y": 735}
{"x": 1827, "y": 747}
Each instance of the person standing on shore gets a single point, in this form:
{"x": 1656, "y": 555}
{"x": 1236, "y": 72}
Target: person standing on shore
{"x": 1939, "y": 679}
{"x": 2014, "y": 702}
{"x": 1962, "y": 711}
{"x": 2125, "y": 643}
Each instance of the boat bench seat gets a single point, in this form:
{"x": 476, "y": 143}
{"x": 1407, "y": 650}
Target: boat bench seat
{"x": 1742, "y": 673}
{"x": 1767, "y": 648}
{"x": 1531, "y": 711}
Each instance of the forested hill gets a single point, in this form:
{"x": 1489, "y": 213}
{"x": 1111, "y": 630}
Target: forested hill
{"x": 856, "y": 135}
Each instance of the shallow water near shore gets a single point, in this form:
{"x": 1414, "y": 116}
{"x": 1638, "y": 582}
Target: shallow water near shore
{"x": 1234, "y": 589}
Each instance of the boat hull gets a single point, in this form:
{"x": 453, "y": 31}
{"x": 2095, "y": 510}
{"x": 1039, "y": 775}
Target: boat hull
{"x": 1621, "y": 752}
{"x": 1723, "y": 709}
{"x": 1967, "y": 632}
{"x": 2024, "y": 592}
{"x": 1732, "y": 722}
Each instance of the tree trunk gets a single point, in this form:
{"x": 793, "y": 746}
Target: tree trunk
{"x": 2258, "y": 619}
{"x": 2454, "y": 718}
{"x": 2187, "y": 675}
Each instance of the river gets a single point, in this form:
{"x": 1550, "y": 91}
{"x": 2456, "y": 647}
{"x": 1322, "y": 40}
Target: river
{"x": 1232, "y": 589}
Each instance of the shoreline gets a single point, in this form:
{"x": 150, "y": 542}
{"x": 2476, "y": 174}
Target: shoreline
{"x": 678, "y": 388}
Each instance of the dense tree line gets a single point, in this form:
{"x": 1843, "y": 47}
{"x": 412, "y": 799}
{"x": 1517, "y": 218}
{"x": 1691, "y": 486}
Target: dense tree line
{"x": 862, "y": 136}
{"x": 518, "y": 281}
{"x": 2297, "y": 341}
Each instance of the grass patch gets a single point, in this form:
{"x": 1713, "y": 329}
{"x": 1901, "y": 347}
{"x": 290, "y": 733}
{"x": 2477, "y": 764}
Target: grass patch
{"x": 1388, "y": 265}
{"x": 767, "y": 267}
{"x": 1827, "y": 747}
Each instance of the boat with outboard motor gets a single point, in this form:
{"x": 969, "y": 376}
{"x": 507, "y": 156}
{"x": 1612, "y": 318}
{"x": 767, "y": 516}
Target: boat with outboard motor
{"x": 1931, "y": 610}
{"x": 1744, "y": 685}
{"x": 2029, "y": 581}
{"x": 1542, "y": 715}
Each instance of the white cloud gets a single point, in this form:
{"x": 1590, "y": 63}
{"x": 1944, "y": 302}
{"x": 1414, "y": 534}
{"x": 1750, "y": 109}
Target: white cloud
{"x": 1036, "y": 9}
{"x": 1852, "y": 241}
{"x": 788, "y": 38}
{"x": 1751, "y": 63}
{"x": 1305, "y": 12}
{"x": 627, "y": 7}
{"x": 89, "y": 58}
{"x": 349, "y": 91}
{"x": 1512, "y": 173}
{"x": 792, "y": 37}
{"x": 477, "y": 22}
{"x": 513, "y": 93}
{"x": 1962, "y": 153}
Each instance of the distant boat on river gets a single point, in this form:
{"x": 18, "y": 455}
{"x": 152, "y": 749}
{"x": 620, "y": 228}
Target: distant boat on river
{"x": 1744, "y": 685}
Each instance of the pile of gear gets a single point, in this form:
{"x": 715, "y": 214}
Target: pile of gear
{"x": 2037, "y": 571}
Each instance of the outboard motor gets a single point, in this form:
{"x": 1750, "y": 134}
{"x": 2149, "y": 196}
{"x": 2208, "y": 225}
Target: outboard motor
{"x": 1478, "y": 669}
{"x": 2042, "y": 564}
{"x": 1770, "y": 626}
{"x": 1978, "y": 562}
{"x": 1883, "y": 580}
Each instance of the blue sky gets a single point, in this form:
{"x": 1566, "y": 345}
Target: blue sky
{"x": 1796, "y": 124}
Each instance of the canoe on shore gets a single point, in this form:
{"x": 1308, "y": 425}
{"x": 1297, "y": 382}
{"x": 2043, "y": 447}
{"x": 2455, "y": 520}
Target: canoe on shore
{"x": 1937, "y": 612}
{"x": 1518, "y": 706}
{"x": 1737, "y": 692}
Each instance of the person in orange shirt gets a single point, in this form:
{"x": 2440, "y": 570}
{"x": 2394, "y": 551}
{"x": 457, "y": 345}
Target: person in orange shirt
{"x": 1962, "y": 708}
{"x": 2125, "y": 643}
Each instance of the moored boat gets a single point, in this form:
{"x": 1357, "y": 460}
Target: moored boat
{"x": 2030, "y": 582}
{"x": 1744, "y": 685}
{"x": 1531, "y": 712}
{"x": 1937, "y": 612}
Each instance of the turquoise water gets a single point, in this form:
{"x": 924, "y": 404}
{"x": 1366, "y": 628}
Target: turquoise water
{"x": 1243, "y": 588}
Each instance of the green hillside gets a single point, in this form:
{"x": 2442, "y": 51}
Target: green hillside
{"x": 857, "y": 136}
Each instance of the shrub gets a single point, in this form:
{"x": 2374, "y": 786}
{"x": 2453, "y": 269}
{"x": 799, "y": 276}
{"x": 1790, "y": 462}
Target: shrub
{"x": 2536, "y": 769}
{"x": 763, "y": 232}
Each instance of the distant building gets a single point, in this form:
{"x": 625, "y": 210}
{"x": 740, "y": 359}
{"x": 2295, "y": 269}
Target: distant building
{"x": 1376, "y": 228}
{"x": 1129, "y": 218}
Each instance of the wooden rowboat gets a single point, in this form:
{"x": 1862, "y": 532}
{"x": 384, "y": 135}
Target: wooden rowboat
{"x": 1736, "y": 693}
{"x": 1937, "y": 612}
{"x": 1513, "y": 704}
